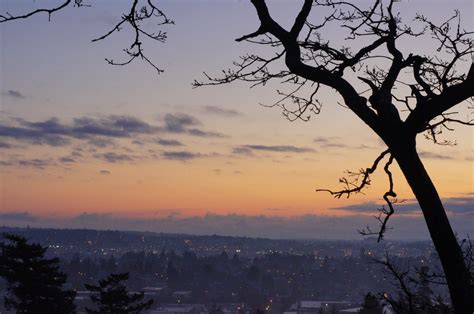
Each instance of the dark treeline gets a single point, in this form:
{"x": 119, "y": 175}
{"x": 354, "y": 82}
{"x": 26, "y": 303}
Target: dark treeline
{"x": 67, "y": 242}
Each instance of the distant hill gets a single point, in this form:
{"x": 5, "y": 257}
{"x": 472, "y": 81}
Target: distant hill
{"x": 66, "y": 242}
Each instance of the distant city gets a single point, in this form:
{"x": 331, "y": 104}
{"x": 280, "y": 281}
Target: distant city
{"x": 199, "y": 274}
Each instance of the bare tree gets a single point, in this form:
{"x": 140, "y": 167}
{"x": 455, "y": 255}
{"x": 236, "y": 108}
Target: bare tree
{"x": 140, "y": 11}
{"x": 433, "y": 86}
{"x": 305, "y": 61}
{"x": 414, "y": 293}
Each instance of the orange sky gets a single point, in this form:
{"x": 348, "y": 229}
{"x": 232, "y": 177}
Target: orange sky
{"x": 247, "y": 159}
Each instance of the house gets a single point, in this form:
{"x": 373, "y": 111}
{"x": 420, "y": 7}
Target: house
{"x": 317, "y": 307}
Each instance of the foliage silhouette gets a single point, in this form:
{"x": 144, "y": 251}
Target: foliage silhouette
{"x": 112, "y": 297}
{"x": 371, "y": 305}
{"x": 34, "y": 282}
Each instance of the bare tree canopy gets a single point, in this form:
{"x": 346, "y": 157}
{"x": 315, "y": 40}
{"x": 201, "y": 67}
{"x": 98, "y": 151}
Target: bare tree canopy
{"x": 140, "y": 12}
{"x": 405, "y": 93}
{"x": 408, "y": 94}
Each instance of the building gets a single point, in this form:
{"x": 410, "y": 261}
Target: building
{"x": 318, "y": 307}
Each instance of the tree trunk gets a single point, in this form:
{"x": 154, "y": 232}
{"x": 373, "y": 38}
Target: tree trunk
{"x": 450, "y": 253}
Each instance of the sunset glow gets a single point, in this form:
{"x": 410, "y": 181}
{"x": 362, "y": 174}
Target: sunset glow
{"x": 78, "y": 136}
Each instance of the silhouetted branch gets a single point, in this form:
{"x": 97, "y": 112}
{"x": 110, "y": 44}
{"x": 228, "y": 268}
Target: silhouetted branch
{"x": 7, "y": 17}
{"x": 357, "y": 181}
{"x": 360, "y": 179}
{"x": 250, "y": 68}
{"x": 258, "y": 32}
{"x": 468, "y": 250}
{"x": 134, "y": 19}
{"x": 384, "y": 213}
{"x": 434, "y": 129}
{"x": 402, "y": 281}
{"x": 300, "y": 20}
{"x": 302, "y": 104}
{"x": 440, "y": 85}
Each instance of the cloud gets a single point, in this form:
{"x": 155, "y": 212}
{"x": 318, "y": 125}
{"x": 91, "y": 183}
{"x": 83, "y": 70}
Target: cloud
{"x": 180, "y": 155}
{"x": 242, "y": 151}
{"x": 325, "y": 139}
{"x": 85, "y": 216}
{"x": 14, "y": 94}
{"x": 76, "y": 154}
{"x": 35, "y": 163}
{"x": 334, "y": 145}
{"x": 178, "y": 123}
{"x": 372, "y": 207}
{"x": 201, "y": 133}
{"x": 299, "y": 227}
{"x": 276, "y": 149}
{"x": 5, "y": 145}
{"x": 18, "y": 216}
{"x": 114, "y": 157}
{"x": 182, "y": 123}
{"x": 112, "y": 126}
{"x": 456, "y": 205}
{"x": 364, "y": 146}
{"x": 274, "y": 209}
{"x": 97, "y": 131}
{"x": 221, "y": 111}
{"x": 329, "y": 142}
{"x": 33, "y": 136}
{"x": 164, "y": 142}
{"x": 116, "y": 133}
{"x": 459, "y": 204}
{"x": 67, "y": 160}
{"x": 100, "y": 142}
{"x": 430, "y": 155}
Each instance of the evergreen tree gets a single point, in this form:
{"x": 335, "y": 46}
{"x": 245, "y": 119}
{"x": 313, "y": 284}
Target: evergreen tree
{"x": 216, "y": 309}
{"x": 34, "y": 282}
{"x": 424, "y": 293}
{"x": 112, "y": 297}
{"x": 371, "y": 305}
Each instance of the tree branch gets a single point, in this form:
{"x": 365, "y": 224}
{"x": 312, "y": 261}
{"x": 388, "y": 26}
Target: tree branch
{"x": 356, "y": 186}
{"x": 136, "y": 16}
{"x": 8, "y": 17}
{"x": 435, "y": 106}
{"x": 301, "y": 19}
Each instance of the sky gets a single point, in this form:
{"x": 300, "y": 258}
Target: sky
{"x": 84, "y": 144}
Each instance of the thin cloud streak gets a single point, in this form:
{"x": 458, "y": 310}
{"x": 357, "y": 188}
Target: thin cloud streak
{"x": 457, "y": 205}
{"x": 14, "y": 94}
{"x": 221, "y": 111}
{"x": 180, "y": 155}
{"x": 113, "y": 157}
{"x": 165, "y": 142}
{"x": 247, "y": 149}
{"x": 430, "y": 155}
